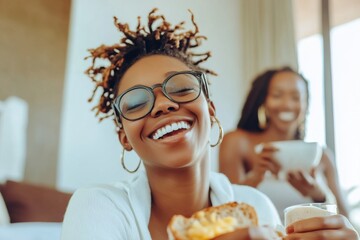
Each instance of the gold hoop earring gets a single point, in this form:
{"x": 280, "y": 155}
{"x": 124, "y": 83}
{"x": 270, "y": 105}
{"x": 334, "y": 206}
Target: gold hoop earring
{"x": 123, "y": 163}
{"x": 221, "y": 132}
{"x": 262, "y": 117}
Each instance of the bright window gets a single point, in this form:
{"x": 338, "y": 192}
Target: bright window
{"x": 345, "y": 51}
{"x": 346, "y": 91}
{"x": 311, "y": 65}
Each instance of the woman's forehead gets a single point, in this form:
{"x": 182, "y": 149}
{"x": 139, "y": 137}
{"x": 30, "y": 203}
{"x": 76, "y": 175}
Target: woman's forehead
{"x": 150, "y": 70}
{"x": 287, "y": 81}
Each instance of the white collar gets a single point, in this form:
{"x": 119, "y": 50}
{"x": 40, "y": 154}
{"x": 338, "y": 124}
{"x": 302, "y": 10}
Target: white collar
{"x": 221, "y": 192}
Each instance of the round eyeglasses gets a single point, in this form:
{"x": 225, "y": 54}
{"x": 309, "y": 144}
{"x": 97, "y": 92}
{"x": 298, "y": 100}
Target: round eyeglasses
{"x": 179, "y": 87}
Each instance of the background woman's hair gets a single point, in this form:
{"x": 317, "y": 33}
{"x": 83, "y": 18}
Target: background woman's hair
{"x": 256, "y": 97}
{"x": 145, "y": 40}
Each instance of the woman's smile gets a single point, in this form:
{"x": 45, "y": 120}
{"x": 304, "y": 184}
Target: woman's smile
{"x": 287, "y": 116}
{"x": 170, "y": 129}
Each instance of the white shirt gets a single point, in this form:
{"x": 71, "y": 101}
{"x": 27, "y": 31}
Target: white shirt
{"x": 276, "y": 189}
{"x": 122, "y": 211}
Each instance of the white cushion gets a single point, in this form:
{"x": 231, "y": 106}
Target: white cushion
{"x": 4, "y": 215}
{"x": 31, "y": 231}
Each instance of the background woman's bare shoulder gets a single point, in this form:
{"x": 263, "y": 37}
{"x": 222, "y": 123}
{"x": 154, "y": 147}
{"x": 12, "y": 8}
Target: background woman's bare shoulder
{"x": 237, "y": 139}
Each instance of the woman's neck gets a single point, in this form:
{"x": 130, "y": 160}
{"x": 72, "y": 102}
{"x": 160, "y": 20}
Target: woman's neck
{"x": 273, "y": 134}
{"x": 179, "y": 191}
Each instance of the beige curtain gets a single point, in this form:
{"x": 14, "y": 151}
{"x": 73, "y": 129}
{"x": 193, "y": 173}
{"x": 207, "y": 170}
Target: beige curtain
{"x": 268, "y": 36}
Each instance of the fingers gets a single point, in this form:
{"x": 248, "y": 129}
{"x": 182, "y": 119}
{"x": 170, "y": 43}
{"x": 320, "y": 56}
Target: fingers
{"x": 331, "y": 227}
{"x": 301, "y": 176}
{"x": 300, "y": 180}
{"x": 272, "y": 167}
{"x": 316, "y": 223}
{"x": 254, "y": 233}
{"x": 263, "y": 232}
{"x": 266, "y": 158}
{"x": 313, "y": 172}
{"x": 296, "y": 181}
{"x": 306, "y": 177}
{"x": 239, "y": 234}
{"x": 329, "y": 235}
{"x": 266, "y": 161}
{"x": 265, "y": 147}
{"x": 306, "y": 185}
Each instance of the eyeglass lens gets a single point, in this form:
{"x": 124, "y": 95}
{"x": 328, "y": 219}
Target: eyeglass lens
{"x": 139, "y": 101}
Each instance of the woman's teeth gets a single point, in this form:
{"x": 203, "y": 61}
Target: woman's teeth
{"x": 287, "y": 116}
{"x": 170, "y": 128}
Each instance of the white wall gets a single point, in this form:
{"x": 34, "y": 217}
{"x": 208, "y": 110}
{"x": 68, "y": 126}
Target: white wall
{"x": 90, "y": 151}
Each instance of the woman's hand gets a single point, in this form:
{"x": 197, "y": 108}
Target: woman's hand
{"x": 331, "y": 228}
{"x": 255, "y": 233}
{"x": 306, "y": 184}
{"x": 265, "y": 162}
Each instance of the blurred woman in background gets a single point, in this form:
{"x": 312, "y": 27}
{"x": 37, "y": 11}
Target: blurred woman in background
{"x": 275, "y": 110}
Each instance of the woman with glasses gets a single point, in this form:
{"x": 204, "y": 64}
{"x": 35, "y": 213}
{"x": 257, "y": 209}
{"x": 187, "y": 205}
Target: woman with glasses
{"x": 157, "y": 93}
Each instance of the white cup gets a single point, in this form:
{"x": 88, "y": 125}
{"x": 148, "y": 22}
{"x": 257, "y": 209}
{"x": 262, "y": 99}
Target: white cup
{"x": 295, "y": 154}
{"x": 308, "y": 210}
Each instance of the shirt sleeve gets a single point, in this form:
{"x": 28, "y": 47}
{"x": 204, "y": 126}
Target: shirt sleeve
{"x": 93, "y": 215}
{"x": 265, "y": 209}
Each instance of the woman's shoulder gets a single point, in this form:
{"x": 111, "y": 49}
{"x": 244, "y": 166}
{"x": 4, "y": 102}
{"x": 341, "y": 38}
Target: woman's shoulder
{"x": 105, "y": 189}
{"x": 241, "y": 135}
{"x": 237, "y": 137}
{"x": 116, "y": 195}
{"x": 101, "y": 195}
{"x": 95, "y": 213}
{"x": 237, "y": 133}
{"x": 249, "y": 194}
{"x": 240, "y": 140}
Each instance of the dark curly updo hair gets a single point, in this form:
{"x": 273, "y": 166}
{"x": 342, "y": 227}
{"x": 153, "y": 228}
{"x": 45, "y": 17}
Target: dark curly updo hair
{"x": 161, "y": 38}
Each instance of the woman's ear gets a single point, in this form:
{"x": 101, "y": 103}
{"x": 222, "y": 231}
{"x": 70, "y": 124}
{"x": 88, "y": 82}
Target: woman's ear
{"x": 212, "y": 109}
{"x": 124, "y": 140}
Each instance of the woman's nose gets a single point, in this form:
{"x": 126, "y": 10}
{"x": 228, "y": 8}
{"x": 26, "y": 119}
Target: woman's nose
{"x": 288, "y": 104}
{"x": 163, "y": 105}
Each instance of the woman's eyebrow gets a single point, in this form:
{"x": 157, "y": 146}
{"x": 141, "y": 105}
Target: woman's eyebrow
{"x": 170, "y": 73}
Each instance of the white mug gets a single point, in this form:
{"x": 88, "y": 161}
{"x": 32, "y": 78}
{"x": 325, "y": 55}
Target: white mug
{"x": 308, "y": 210}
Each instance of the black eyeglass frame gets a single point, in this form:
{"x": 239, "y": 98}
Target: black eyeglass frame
{"x": 200, "y": 76}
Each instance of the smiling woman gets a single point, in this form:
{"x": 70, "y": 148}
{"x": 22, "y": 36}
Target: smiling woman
{"x": 167, "y": 123}
{"x": 156, "y": 92}
{"x": 275, "y": 110}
